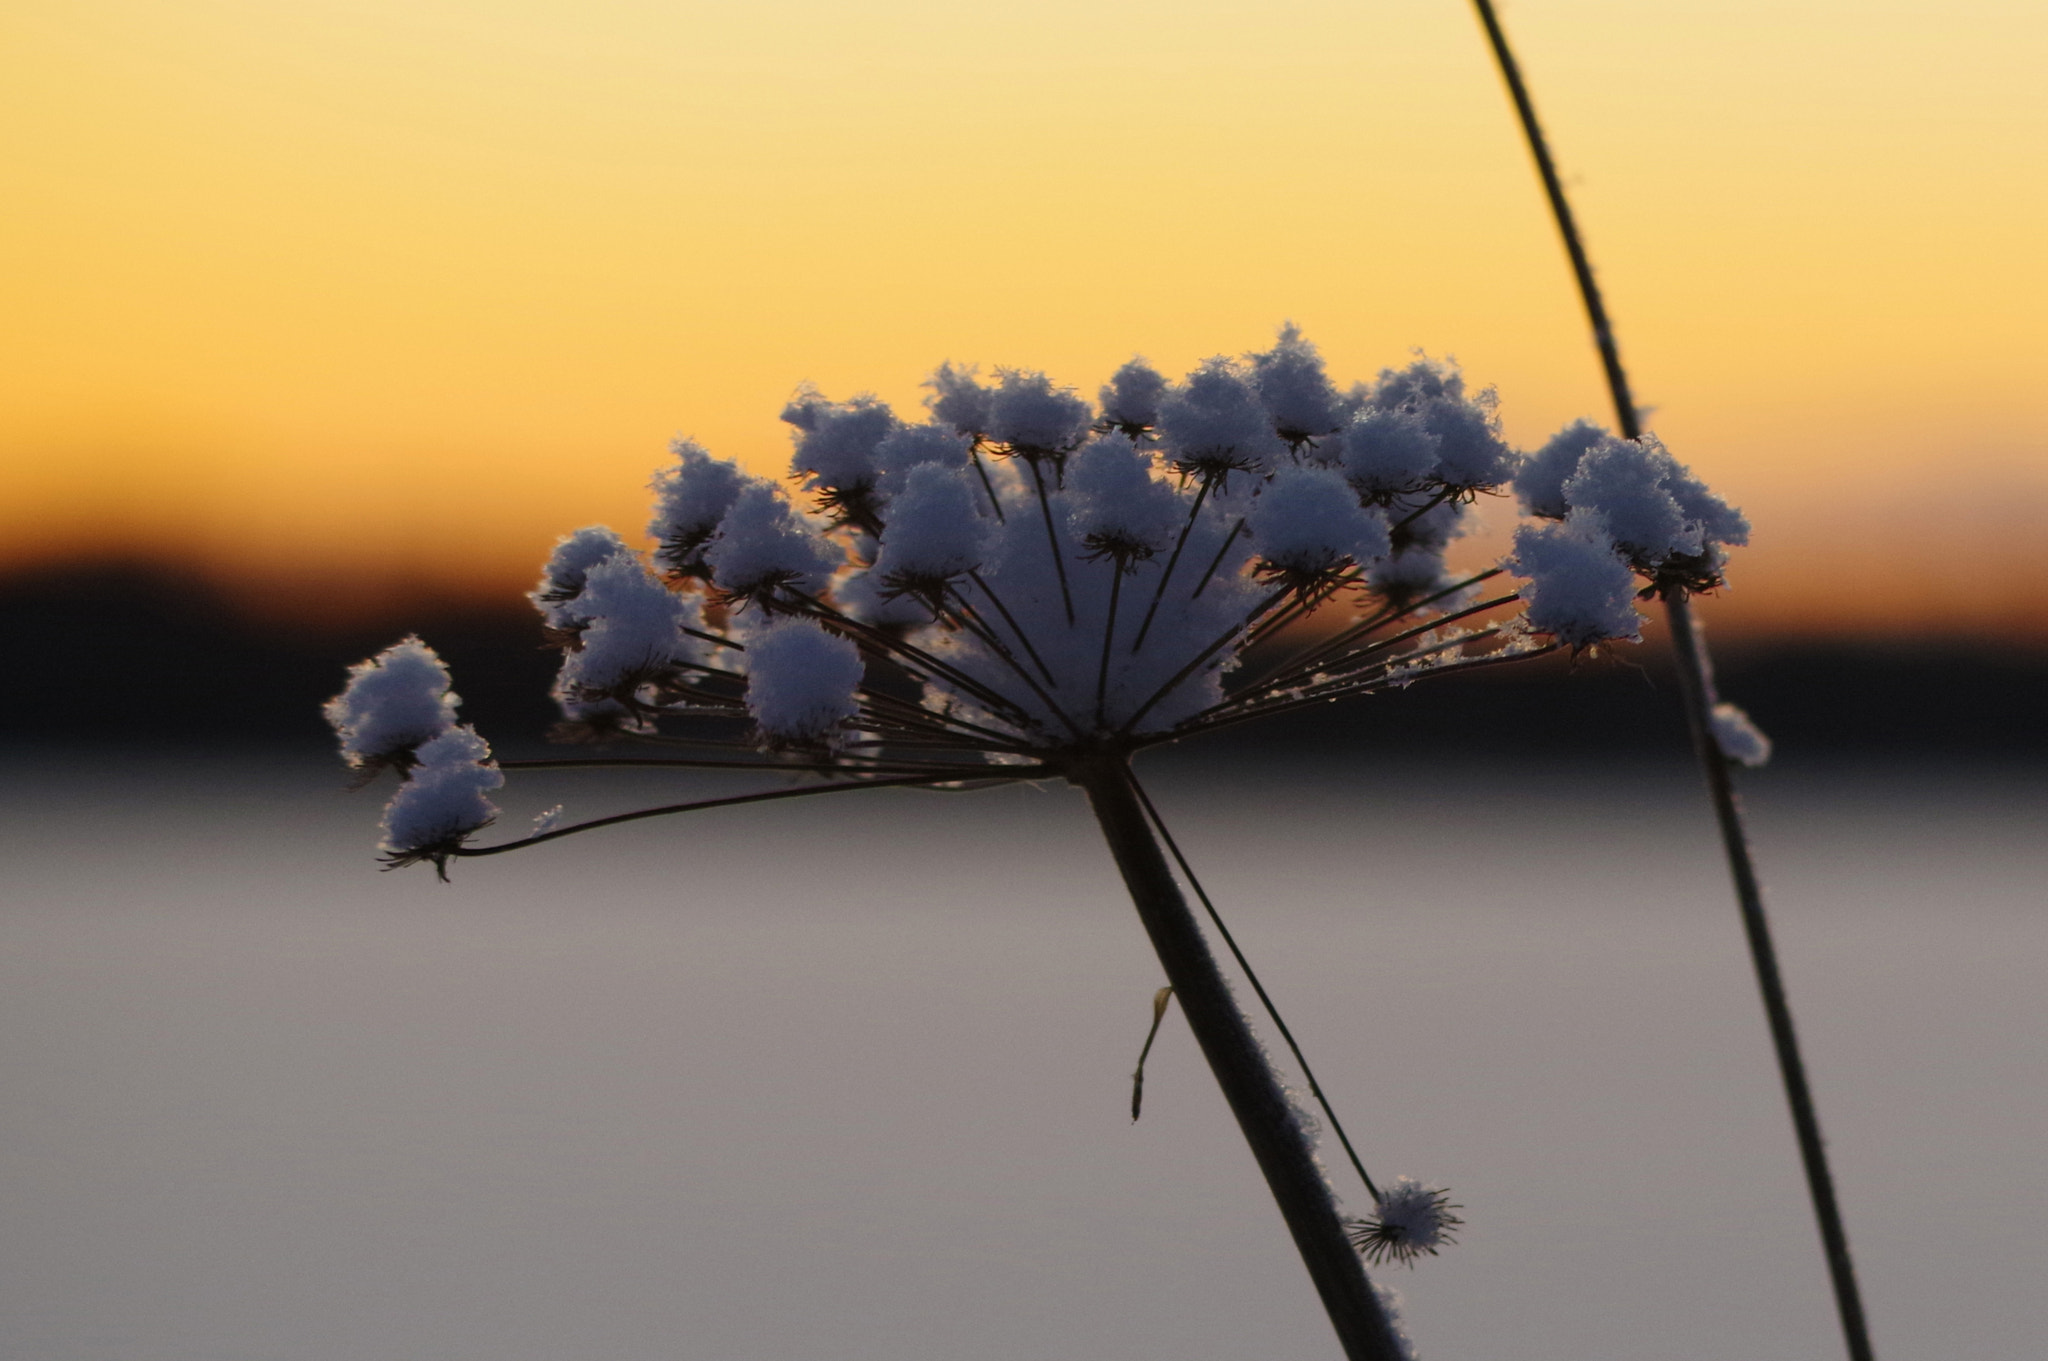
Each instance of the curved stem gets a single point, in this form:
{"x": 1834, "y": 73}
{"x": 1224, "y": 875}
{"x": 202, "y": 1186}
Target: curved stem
{"x": 1695, "y": 671}
{"x": 1270, "y": 1123}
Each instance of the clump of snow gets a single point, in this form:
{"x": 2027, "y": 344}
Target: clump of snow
{"x": 395, "y": 702}
{"x": 633, "y": 634}
{"x": 561, "y": 581}
{"x": 690, "y": 497}
{"x": 1116, "y": 507}
{"x": 1540, "y": 482}
{"x": 914, "y": 446}
{"x": 1388, "y": 453}
{"x": 1295, "y": 389}
{"x": 1738, "y": 736}
{"x": 1214, "y": 424}
{"x": 1470, "y": 452}
{"x": 836, "y": 444}
{"x": 1035, "y": 418}
{"x": 1581, "y": 591}
{"x": 1130, "y": 399}
{"x": 1410, "y": 1221}
{"x": 959, "y": 400}
{"x": 1308, "y": 523}
{"x": 764, "y": 548}
{"x": 801, "y": 682}
{"x": 1652, "y": 504}
{"x": 934, "y": 536}
{"x": 445, "y": 797}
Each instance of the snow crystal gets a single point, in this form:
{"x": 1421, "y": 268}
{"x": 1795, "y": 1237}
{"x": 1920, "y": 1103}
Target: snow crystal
{"x": 1738, "y": 736}
{"x": 1580, "y": 589}
{"x": 763, "y": 545}
{"x": 444, "y": 798}
{"x": 1308, "y": 522}
{"x": 1130, "y": 399}
{"x": 801, "y": 681}
{"x": 394, "y": 702}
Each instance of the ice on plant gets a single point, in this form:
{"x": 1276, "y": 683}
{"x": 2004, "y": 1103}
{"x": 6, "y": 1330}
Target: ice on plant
{"x": 1738, "y": 736}
{"x": 1118, "y": 506}
{"x": 395, "y": 702}
{"x": 634, "y": 630}
{"x": 1130, "y": 399}
{"x": 1296, "y": 391}
{"x": 935, "y": 533}
{"x": 958, "y": 400}
{"x": 1031, "y": 414}
{"x": 1388, "y": 453}
{"x": 445, "y": 797}
{"x": 801, "y": 681}
{"x": 1308, "y": 522}
{"x": 764, "y": 549}
{"x": 1580, "y": 589}
{"x": 561, "y": 581}
{"x": 1540, "y": 482}
{"x": 1214, "y": 424}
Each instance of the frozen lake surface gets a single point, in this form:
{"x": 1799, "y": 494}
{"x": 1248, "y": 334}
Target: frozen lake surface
{"x": 847, "y": 1079}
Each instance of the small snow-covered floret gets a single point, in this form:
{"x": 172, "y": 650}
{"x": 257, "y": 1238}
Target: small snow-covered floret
{"x": 1388, "y": 453}
{"x": 395, "y": 702}
{"x": 1580, "y": 589}
{"x": 1719, "y": 522}
{"x": 1130, "y": 399}
{"x": 1540, "y": 482}
{"x": 1116, "y": 507}
{"x": 914, "y": 446}
{"x": 1470, "y": 452}
{"x": 1295, "y": 389}
{"x": 801, "y": 682}
{"x": 1307, "y": 525}
{"x": 444, "y": 800}
{"x": 561, "y": 580}
{"x": 1738, "y": 736}
{"x": 690, "y": 498}
{"x": 958, "y": 399}
{"x": 835, "y": 454}
{"x": 935, "y": 535}
{"x": 1624, "y": 481}
{"x": 1214, "y": 425}
{"x": 1410, "y": 1221}
{"x": 1034, "y": 418}
{"x": 633, "y": 635}
{"x": 764, "y": 548}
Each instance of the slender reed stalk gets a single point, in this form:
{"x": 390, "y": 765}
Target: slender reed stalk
{"x": 1269, "y": 1122}
{"x": 1695, "y": 671}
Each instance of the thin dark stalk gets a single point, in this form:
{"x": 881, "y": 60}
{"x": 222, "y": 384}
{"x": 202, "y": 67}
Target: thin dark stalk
{"x": 1187, "y": 872}
{"x": 1268, "y": 700}
{"x": 1357, "y": 655}
{"x": 1116, "y": 590}
{"x": 1264, "y": 1115}
{"x": 987, "y": 485}
{"x": 1201, "y": 658}
{"x": 1425, "y": 508}
{"x": 1380, "y": 620}
{"x": 971, "y": 620}
{"x": 771, "y": 767}
{"x": 1695, "y": 670}
{"x": 801, "y": 791}
{"x": 882, "y": 644}
{"x": 1217, "y": 561}
{"x": 1010, "y": 619}
{"x": 1052, "y": 538}
{"x": 719, "y": 639}
{"x": 1173, "y": 560}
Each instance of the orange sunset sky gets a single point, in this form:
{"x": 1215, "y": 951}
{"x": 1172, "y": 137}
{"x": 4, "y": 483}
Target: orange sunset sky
{"x": 342, "y": 300}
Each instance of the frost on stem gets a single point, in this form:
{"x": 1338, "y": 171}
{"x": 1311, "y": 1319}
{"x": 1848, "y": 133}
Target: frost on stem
{"x": 1410, "y": 1221}
{"x": 395, "y": 703}
{"x": 1738, "y": 737}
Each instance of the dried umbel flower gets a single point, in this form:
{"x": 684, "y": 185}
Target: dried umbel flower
{"x": 1024, "y": 588}
{"x": 1410, "y": 1221}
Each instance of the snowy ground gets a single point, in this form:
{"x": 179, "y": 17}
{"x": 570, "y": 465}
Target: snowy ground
{"x": 847, "y": 1079}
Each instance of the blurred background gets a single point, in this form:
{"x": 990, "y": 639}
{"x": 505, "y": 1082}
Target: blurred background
{"x": 326, "y": 318}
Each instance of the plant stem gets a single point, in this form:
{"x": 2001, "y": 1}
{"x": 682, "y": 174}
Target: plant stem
{"x": 1695, "y": 670}
{"x": 1269, "y": 1122}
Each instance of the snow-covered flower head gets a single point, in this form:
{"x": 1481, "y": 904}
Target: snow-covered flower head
{"x": 443, "y": 802}
{"x": 1017, "y": 589}
{"x": 1410, "y": 1221}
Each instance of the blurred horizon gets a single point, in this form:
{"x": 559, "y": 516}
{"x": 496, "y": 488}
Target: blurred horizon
{"x": 341, "y": 306}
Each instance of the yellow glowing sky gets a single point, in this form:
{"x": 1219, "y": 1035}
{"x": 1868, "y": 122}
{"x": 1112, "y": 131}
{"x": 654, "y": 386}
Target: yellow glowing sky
{"x": 352, "y": 296}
